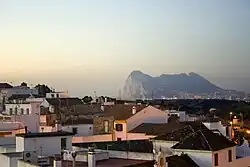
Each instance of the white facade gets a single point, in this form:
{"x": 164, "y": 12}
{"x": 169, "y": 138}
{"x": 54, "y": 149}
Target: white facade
{"x": 28, "y": 108}
{"x": 44, "y": 146}
{"x": 32, "y": 120}
{"x": 180, "y": 114}
{"x": 9, "y": 161}
{"x": 165, "y": 146}
{"x": 224, "y": 130}
{"x": 58, "y": 95}
{"x": 18, "y": 109}
{"x": 82, "y": 129}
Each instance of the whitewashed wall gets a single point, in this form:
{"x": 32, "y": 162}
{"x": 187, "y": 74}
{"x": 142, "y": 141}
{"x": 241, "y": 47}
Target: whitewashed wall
{"x": 165, "y": 146}
{"x": 19, "y": 107}
{"x": 21, "y": 163}
{"x": 5, "y": 161}
{"x": 82, "y": 130}
{"x": 45, "y": 146}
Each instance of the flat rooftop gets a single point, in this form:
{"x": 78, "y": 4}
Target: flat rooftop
{"x": 113, "y": 162}
{"x": 45, "y": 134}
{"x": 14, "y": 154}
{"x": 8, "y": 146}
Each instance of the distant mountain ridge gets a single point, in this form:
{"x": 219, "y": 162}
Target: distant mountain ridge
{"x": 141, "y": 85}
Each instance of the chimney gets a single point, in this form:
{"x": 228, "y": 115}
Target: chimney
{"x": 133, "y": 110}
{"x": 57, "y": 161}
{"x": 91, "y": 157}
{"x": 58, "y": 126}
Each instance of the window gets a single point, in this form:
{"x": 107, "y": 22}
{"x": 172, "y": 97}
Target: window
{"x": 227, "y": 131}
{"x": 74, "y": 130}
{"x": 216, "y": 159}
{"x": 119, "y": 139}
{"x": 118, "y": 127}
{"x": 16, "y": 111}
{"x": 22, "y": 111}
{"x": 11, "y": 111}
{"x": 63, "y": 143}
{"x": 57, "y": 95}
{"x": 106, "y": 126}
{"x": 229, "y": 155}
{"x": 52, "y": 95}
{"x": 27, "y": 111}
{"x": 161, "y": 162}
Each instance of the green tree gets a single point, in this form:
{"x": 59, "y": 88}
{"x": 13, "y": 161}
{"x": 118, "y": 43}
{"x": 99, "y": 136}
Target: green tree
{"x": 87, "y": 99}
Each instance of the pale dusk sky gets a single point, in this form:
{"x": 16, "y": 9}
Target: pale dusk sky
{"x": 92, "y": 45}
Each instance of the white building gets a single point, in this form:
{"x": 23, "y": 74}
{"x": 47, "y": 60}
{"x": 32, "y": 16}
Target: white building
{"x": 30, "y": 117}
{"x": 64, "y": 94}
{"x": 45, "y": 144}
{"x": 181, "y": 114}
{"x": 17, "y": 108}
{"x": 80, "y": 126}
{"x": 32, "y": 149}
{"x": 216, "y": 125}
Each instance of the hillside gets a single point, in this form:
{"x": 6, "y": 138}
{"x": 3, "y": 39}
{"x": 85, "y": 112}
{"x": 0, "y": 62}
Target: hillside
{"x": 141, "y": 85}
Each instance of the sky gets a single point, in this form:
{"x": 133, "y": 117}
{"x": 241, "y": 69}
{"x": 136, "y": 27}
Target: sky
{"x": 92, "y": 45}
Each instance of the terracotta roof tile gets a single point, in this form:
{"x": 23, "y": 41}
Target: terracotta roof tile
{"x": 204, "y": 140}
{"x": 161, "y": 129}
{"x": 180, "y": 161}
{"x": 179, "y": 134}
{"x": 64, "y": 101}
{"x": 121, "y": 111}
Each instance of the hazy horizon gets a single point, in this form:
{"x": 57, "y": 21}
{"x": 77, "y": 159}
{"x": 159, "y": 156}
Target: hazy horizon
{"x": 91, "y": 45}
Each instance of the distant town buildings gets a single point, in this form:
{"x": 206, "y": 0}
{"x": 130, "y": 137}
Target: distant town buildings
{"x": 58, "y": 130}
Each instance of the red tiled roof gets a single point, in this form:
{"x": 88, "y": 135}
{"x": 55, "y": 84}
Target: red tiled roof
{"x": 121, "y": 111}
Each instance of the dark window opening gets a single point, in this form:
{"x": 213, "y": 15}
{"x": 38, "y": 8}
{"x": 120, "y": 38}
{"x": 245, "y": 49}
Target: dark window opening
{"x": 27, "y": 111}
{"x": 74, "y": 130}
{"x": 216, "y": 159}
{"x": 118, "y": 127}
{"x": 16, "y": 111}
{"x": 63, "y": 143}
{"x": 22, "y": 111}
{"x": 227, "y": 131}
{"x": 57, "y": 95}
{"x": 229, "y": 155}
{"x": 52, "y": 95}
{"x": 119, "y": 139}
